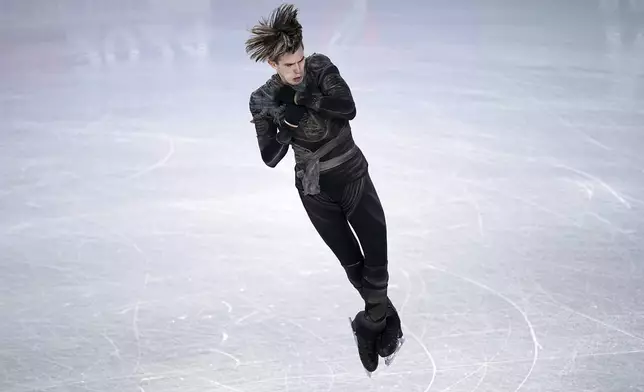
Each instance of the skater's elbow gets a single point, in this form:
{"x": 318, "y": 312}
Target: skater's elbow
{"x": 270, "y": 160}
{"x": 348, "y": 114}
{"x": 271, "y": 163}
{"x": 352, "y": 114}
{"x": 273, "y": 156}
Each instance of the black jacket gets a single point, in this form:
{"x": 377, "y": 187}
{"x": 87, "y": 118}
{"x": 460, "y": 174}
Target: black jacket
{"x": 330, "y": 107}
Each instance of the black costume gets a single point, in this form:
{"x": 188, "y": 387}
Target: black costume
{"x": 331, "y": 174}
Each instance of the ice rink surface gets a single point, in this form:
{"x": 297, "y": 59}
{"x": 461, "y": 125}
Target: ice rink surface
{"x": 145, "y": 247}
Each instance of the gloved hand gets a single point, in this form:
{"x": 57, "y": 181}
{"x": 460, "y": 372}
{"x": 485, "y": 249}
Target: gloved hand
{"x": 285, "y": 95}
{"x": 303, "y": 98}
{"x": 293, "y": 113}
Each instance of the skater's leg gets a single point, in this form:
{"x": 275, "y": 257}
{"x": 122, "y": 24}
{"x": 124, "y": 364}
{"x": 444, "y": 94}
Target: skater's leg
{"x": 329, "y": 214}
{"x": 367, "y": 217}
{"x": 331, "y": 224}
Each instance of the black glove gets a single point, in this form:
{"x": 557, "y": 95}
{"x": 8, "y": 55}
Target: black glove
{"x": 286, "y": 95}
{"x": 293, "y": 113}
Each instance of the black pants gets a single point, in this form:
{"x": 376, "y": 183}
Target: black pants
{"x": 356, "y": 204}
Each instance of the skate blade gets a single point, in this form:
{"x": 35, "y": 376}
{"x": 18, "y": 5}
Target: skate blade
{"x": 355, "y": 339}
{"x": 390, "y": 359}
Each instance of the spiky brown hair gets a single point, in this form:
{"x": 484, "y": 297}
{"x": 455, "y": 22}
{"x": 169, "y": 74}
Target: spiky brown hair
{"x": 280, "y": 34}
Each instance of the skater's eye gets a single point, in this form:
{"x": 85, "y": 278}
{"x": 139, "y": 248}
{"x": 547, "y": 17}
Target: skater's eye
{"x": 292, "y": 64}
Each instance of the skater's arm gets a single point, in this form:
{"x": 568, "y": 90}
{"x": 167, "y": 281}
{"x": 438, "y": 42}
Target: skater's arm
{"x": 270, "y": 149}
{"x": 335, "y": 98}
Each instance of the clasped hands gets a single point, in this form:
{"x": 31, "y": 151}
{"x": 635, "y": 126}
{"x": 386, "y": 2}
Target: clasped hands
{"x": 295, "y": 104}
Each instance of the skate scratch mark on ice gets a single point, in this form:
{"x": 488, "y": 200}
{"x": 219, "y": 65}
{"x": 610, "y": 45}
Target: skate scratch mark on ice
{"x": 454, "y": 227}
{"x": 484, "y": 366}
{"x": 602, "y": 323}
{"x": 46, "y": 358}
{"x": 533, "y": 334}
{"x": 464, "y": 334}
{"x": 227, "y": 305}
{"x": 478, "y": 384}
{"x": 429, "y": 354}
{"x": 333, "y": 377}
{"x": 610, "y": 224}
{"x": 528, "y": 202}
{"x": 594, "y": 141}
{"x": 226, "y": 386}
{"x": 291, "y": 378}
{"x": 135, "y": 328}
{"x": 117, "y": 352}
{"x": 588, "y": 188}
{"x": 634, "y": 200}
{"x": 619, "y": 197}
{"x": 318, "y": 337}
{"x": 240, "y": 320}
{"x": 589, "y": 138}
{"x": 221, "y": 385}
{"x": 158, "y": 164}
{"x": 570, "y": 366}
{"x": 552, "y": 358}
{"x": 224, "y": 337}
{"x": 225, "y": 354}
{"x": 135, "y": 318}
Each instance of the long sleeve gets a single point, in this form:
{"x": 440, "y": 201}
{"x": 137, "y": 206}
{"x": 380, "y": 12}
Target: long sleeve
{"x": 270, "y": 149}
{"x": 334, "y": 98}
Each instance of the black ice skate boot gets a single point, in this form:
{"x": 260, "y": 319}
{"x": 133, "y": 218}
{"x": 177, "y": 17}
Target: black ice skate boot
{"x": 366, "y": 334}
{"x": 392, "y": 337}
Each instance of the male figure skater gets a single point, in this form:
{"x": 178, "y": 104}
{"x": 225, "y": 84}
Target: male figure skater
{"x": 307, "y": 105}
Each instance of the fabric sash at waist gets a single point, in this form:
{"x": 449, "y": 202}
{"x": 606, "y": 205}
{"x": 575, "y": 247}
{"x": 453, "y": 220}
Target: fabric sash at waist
{"x": 310, "y": 174}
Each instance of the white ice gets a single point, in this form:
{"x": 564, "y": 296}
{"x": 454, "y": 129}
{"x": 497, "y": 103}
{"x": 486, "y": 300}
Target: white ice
{"x": 145, "y": 247}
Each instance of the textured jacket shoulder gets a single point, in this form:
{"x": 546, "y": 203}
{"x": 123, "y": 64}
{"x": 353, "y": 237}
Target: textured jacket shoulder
{"x": 317, "y": 63}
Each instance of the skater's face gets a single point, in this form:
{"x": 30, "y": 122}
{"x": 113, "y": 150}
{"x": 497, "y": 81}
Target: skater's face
{"x": 290, "y": 67}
